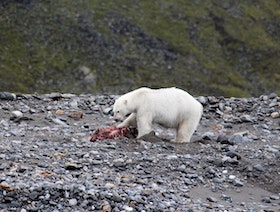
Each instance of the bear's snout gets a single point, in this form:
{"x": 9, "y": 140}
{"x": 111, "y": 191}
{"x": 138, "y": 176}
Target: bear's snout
{"x": 117, "y": 118}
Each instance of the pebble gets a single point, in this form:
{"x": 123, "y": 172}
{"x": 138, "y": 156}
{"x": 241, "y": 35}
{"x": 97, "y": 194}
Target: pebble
{"x": 16, "y": 114}
{"x": 246, "y": 118}
{"x": 71, "y": 166}
{"x": 212, "y": 199}
{"x": 274, "y": 197}
{"x": 271, "y": 149}
{"x": 275, "y": 115}
{"x": 127, "y": 208}
{"x": 60, "y": 122}
{"x": 237, "y": 183}
{"x": 107, "y": 110}
{"x": 203, "y": 100}
{"x": 7, "y": 96}
{"x": 73, "y": 202}
{"x": 59, "y": 112}
{"x": 106, "y": 207}
{"x": 49, "y": 162}
{"x": 54, "y": 96}
{"x": 231, "y": 177}
{"x": 171, "y": 157}
{"x": 259, "y": 167}
{"x": 266, "y": 200}
{"x": 226, "y": 198}
{"x": 224, "y": 139}
{"x": 272, "y": 96}
{"x": 236, "y": 139}
{"x": 76, "y": 115}
{"x": 233, "y": 154}
{"x": 208, "y": 136}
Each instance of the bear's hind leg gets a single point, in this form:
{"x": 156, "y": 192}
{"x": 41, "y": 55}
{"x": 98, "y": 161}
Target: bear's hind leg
{"x": 185, "y": 131}
{"x": 182, "y": 135}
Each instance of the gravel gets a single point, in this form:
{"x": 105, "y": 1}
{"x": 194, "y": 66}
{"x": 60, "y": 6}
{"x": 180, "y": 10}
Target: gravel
{"x": 47, "y": 162}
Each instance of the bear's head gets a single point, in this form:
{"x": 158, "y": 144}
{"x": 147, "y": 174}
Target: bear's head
{"x": 121, "y": 109}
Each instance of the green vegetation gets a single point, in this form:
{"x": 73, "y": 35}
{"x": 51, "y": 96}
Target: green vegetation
{"x": 228, "y": 48}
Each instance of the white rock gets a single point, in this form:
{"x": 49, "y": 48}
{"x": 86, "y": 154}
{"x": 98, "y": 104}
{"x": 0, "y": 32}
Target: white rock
{"x": 17, "y": 114}
{"x": 275, "y": 115}
{"x": 225, "y": 171}
{"x": 68, "y": 95}
{"x": 73, "y": 202}
{"x": 127, "y": 208}
{"x": 58, "y": 121}
{"x": 231, "y": 177}
{"x": 171, "y": 157}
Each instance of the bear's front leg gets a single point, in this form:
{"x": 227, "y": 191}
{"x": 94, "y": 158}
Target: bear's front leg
{"x": 144, "y": 125}
{"x": 130, "y": 121}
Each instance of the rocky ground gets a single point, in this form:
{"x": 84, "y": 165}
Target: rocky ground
{"x": 47, "y": 162}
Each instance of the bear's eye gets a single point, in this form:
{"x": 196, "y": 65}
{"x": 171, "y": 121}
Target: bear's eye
{"x": 118, "y": 111}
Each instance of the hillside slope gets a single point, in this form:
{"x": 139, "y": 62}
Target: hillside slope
{"x": 228, "y": 48}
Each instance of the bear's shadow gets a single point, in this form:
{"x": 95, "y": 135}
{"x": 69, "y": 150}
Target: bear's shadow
{"x": 153, "y": 138}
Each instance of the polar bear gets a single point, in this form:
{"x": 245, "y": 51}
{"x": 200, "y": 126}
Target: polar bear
{"x": 168, "y": 107}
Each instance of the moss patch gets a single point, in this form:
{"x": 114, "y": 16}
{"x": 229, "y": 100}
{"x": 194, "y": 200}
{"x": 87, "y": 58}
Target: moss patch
{"x": 226, "y": 48}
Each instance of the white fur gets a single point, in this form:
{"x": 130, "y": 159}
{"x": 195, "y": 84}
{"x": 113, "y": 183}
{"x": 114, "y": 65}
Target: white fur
{"x": 169, "y": 107}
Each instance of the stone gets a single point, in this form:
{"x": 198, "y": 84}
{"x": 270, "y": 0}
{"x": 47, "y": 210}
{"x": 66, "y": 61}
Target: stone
{"x": 272, "y": 95}
{"x": 107, "y": 111}
{"x": 202, "y": 99}
{"x": 73, "y": 202}
{"x": 226, "y": 198}
{"x": 231, "y": 177}
{"x": 274, "y": 197}
{"x": 4, "y": 166}
{"x": 4, "y": 123}
{"x": 212, "y": 199}
{"x": 237, "y": 183}
{"x": 171, "y": 157}
{"x": 68, "y": 95}
{"x": 55, "y": 96}
{"x": 71, "y": 166}
{"x": 60, "y": 122}
{"x": 76, "y": 115}
{"x": 275, "y": 115}
{"x": 233, "y": 154}
{"x": 74, "y": 104}
{"x": 236, "y": 139}
{"x": 7, "y": 96}
{"x": 259, "y": 167}
{"x": 266, "y": 200}
{"x": 246, "y": 118}
{"x": 127, "y": 208}
{"x": 208, "y": 136}
{"x": 59, "y": 112}
{"x": 16, "y": 114}
{"x": 52, "y": 167}
{"x": 106, "y": 207}
{"x": 224, "y": 140}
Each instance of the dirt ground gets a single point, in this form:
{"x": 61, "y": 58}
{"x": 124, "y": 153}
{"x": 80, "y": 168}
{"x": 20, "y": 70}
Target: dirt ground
{"x": 233, "y": 159}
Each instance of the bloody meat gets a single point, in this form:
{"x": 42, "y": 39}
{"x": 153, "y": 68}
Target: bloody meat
{"x": 112, "y": 132}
